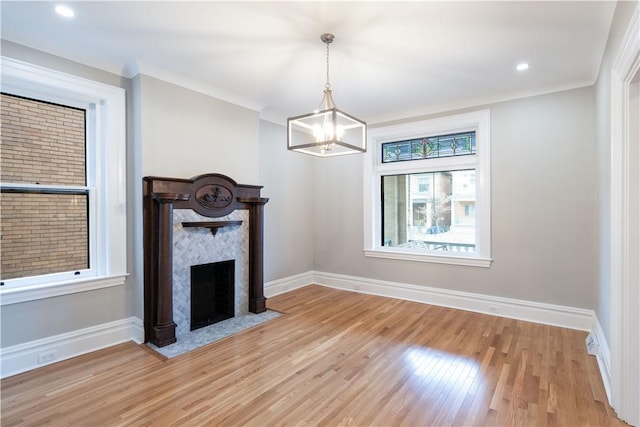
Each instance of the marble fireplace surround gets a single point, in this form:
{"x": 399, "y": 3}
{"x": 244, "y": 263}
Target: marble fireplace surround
{"x": 208, "y": 207}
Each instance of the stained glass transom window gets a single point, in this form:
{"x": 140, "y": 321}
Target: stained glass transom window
{"x": 457, "y": 144}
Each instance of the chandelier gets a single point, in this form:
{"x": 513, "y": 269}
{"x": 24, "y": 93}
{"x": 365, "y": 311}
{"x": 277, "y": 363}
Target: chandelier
{"x": 328, "y": 131}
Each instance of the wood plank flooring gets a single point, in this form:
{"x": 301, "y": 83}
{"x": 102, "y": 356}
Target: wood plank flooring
{"x": 335, "y": 358}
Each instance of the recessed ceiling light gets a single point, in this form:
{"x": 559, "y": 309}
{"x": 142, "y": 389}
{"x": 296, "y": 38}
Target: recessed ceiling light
{"x": 522, "y": 66}
{"x": 65, "y": 11}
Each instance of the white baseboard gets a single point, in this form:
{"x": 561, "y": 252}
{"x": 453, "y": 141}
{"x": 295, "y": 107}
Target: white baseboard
{"x": 549, "y": 314}
{"x": 604, "y": 355}
{"x": 280, "y": 286}
{"x": 35, "y": 354}
{"x": 137, "y": 330}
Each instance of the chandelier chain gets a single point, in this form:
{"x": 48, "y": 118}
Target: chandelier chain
{"x": 327, "y": 85}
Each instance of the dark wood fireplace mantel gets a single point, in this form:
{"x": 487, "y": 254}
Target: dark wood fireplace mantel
{"x": 211, "y": 195}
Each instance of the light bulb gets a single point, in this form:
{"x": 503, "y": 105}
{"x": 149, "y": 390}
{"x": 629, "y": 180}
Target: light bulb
{"x": 65, "y": 11}
{"x": 318, "y": 133}
{"x": 328, "y": 131}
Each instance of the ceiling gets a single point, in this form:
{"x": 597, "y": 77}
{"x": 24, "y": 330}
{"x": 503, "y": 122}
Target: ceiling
{"x": 389, "y": 59}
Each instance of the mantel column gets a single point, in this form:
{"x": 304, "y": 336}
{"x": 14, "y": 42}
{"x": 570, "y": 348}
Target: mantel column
{"x": 164, "y": 330}
{"x": 257, "y": 301}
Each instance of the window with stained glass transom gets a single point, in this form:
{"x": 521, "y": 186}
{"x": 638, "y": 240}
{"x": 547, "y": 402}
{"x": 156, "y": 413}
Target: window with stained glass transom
{"x": 427, "y": 191}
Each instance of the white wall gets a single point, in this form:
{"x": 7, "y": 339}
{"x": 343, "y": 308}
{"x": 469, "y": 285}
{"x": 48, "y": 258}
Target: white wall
{"x": 619, "y": 24}
{"x": 544, "y": 209}
{"x": 617, "y": 296}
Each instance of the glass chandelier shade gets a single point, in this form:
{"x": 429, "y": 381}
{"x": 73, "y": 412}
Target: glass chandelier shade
{"x": 327, "y": 132}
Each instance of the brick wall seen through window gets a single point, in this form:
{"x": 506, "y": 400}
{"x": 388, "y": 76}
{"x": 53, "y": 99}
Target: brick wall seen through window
{"x": 42, "y": 231}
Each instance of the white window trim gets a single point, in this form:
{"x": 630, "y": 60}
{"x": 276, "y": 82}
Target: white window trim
{"x": 105, "y": 107}
{"x": 374, "y": 169}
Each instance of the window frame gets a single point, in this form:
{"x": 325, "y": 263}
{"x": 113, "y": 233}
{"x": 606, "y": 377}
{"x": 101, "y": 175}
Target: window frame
{"x": 374, "y": 169}
{"x": 106, "y": 178}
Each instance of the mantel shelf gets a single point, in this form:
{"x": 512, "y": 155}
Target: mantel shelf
{"x": 213, "y": 226}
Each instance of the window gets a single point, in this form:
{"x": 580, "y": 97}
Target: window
{"x": 469, "y": 209}
{"x": 423, "y": 185}
{"x": 45, "y": 200}
{"x": 63, "y": 183}
{"x": 427, "y": 191}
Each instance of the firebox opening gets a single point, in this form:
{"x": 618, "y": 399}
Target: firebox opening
{"x": 212, "y": 293}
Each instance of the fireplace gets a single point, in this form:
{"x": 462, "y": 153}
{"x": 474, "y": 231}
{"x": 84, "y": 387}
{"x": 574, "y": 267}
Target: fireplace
{"x": 213, "y": 215}
{"x": 212, "y": 293}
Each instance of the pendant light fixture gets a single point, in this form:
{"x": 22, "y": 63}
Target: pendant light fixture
{"x": 328, "y": 131}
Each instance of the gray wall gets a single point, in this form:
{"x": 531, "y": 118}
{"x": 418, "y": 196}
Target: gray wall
{"x": 46, "y": 317}
{"x": 621, "y": 19}
{"x": 171, "y": 131}
{"x": 544, "y": 209}
{"x": 186, "y": 133}
{"x": 289, "y": 216}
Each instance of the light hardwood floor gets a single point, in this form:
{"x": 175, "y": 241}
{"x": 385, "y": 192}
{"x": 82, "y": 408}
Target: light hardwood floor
{"x": 334, "y": 358}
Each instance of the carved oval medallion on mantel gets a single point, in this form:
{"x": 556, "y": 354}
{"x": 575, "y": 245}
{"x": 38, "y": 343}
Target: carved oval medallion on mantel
{"x": 214, "y": 196}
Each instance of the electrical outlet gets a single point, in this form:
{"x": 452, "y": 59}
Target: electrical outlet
{"x": 47, "y": 357}
{"x": 593, "y": 348}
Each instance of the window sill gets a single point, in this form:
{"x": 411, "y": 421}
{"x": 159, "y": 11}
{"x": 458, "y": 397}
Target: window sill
{"x": 48, "y": 290}
{"x": 433, "y": 258}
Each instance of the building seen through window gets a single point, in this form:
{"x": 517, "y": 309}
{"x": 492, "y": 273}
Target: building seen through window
{"x": 435, "y": 211}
